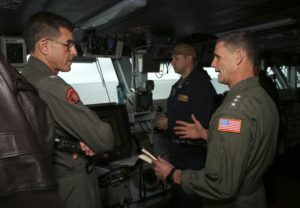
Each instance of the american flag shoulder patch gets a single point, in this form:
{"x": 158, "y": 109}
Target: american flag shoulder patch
{"x": 230, "y": 125}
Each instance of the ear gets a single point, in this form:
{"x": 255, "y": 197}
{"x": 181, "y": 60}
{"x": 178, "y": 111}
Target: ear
{"x": 43, "y": 46}
{"x": 190, "y": 58}
{"x": 239, "y": 56}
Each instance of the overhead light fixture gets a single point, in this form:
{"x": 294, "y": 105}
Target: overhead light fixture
{"x": 263, "y": 26}
{"x": 116, "y": 11}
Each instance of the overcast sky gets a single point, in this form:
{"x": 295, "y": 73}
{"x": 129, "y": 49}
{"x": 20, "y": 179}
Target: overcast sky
{"x": 87, "y": 72}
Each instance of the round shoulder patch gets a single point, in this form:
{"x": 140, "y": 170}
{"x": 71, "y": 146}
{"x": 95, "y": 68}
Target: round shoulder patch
{"x": 72, "y": 96}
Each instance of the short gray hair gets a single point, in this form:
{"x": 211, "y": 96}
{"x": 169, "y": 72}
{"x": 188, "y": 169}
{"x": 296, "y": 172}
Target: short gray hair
{"x": 44, "y": 25}
{"x": 234, "y": 40}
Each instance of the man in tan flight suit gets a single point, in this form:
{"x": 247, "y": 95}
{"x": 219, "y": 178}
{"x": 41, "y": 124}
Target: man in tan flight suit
{"x": 242, "y": 135}
{"x": 50, "y": 41}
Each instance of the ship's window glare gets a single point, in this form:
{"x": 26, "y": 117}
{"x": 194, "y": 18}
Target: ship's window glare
{"x": 85, "y": 78}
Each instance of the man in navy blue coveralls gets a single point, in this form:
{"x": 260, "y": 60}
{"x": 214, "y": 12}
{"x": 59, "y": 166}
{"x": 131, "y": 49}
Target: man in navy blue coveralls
{"x": 193, "y": 94}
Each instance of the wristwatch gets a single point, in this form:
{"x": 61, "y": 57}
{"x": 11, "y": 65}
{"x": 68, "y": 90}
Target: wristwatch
{"x": 170, "y": 178}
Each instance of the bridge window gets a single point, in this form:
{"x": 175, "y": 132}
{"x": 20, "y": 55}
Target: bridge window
{"x": 88, "y": 81}
{"x": 167, "y": 77}
{"x": 163, "y": 81}
{"x": 99, "y": 86}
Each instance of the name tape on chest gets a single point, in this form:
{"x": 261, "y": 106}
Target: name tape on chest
{"x": 230, "y": 125}
{"x": 72, "y": 96}
{"x": 183, "y": 98}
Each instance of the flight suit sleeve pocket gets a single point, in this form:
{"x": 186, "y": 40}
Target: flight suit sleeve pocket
{"x": 214, "y": 158}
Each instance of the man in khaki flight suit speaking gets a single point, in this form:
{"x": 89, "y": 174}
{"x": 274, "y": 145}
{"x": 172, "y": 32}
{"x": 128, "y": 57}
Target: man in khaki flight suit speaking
{"x": 242, "y": 136}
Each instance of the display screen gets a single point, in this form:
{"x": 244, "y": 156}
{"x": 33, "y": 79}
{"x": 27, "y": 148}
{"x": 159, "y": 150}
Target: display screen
{"x": 111, "y": 120}
{"x": 116, "y": 116}
{"x": 104, "y": 46}
{"x": 14, "y": 53}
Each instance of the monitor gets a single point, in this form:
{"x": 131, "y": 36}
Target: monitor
{"x": 110, "y": 47}
{"x": 116, "y": 115}
{"x": 14, "y": 49}
{"x": 149, "y": 64}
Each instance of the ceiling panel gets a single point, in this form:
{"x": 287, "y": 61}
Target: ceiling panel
{"x": 169, "y": 18}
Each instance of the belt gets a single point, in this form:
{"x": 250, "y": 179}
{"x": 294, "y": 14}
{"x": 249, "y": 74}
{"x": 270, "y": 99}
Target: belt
{"x": 71, "y": 146}
{"x": 66, "y": 144}
{"x": 194, "y": 142}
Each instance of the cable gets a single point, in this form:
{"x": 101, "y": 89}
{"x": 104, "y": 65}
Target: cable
{"x": 144, "y": 46}
{"x": 133, "y": 70}
{"x": 142, "y": 128}
{"x": 130, "y": 101}
{"x": 161, "y": 73}
{"x": 102, "y": 77}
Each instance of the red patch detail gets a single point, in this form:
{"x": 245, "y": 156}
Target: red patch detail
{"x": 72, "y": 96}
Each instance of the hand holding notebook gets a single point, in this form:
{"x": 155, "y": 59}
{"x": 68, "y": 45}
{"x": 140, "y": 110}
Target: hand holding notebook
{"x": 147, "y": 156}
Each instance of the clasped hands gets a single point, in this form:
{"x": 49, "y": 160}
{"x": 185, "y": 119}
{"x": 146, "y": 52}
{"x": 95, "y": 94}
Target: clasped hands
{"x": 86, "y": 149}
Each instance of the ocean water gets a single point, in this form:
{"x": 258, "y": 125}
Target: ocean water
{"x": 95, "y": 92}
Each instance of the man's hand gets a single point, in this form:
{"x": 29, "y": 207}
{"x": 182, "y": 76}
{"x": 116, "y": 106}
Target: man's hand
{"x": 162, "y": 122}
{"x": 190, "y": 130}
{"x": 86, "y": 149}
{"x": 162, "y": 168}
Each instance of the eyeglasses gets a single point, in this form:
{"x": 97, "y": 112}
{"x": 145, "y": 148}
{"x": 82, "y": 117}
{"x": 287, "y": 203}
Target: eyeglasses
{"x": 69, "y": 44}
